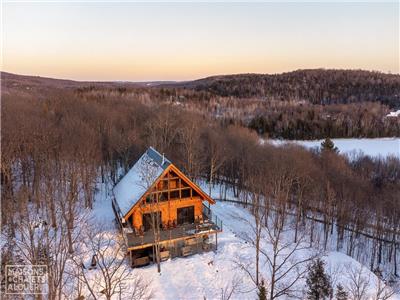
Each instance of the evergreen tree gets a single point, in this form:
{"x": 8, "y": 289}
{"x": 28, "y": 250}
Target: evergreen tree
{"x": 341, "y": 294}
{"x": 318, "y": 282}
{"x": 328, "y": 145}
{"x": 262, "y": 292}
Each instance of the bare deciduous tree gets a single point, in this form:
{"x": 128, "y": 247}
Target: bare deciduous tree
{"x": 285, "y": 267}
{"x": 111, "y": 276}
{"x": 231, "y": 288}
{"x": 357, "y": 282}
{"x": 149, "y": 172}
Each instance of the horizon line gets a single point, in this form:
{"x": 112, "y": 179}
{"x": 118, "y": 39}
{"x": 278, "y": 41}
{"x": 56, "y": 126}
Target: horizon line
{"x": 194, "y": 79}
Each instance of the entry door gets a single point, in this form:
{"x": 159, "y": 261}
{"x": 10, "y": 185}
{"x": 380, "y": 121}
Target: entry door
{"x": 147, "y": 223}
{"x": 185, "y": 215}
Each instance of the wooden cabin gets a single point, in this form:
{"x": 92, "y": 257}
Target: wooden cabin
{"x": 156, "y": 199}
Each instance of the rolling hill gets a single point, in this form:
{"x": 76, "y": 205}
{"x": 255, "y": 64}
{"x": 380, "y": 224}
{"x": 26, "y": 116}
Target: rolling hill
{"x": 318, "y": 86}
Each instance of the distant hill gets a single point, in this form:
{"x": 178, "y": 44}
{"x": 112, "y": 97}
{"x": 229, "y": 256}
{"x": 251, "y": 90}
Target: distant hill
{"x": 10, "y": 79}
{"x": 318, "y": 86}
{"x": 41, "y": 87}
{"x": 15, "y": 80}
{"x": 315, "y": 86}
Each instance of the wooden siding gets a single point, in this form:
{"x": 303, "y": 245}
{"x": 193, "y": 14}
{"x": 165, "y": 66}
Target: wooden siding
{"x": 168, "y": 210}
{"x": 171, "y": 191}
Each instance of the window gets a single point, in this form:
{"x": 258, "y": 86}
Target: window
{"x": 148, "y": 199}
{"x": 147, "y": 221}
{"x": 186, "y": 193}
{"x": 164, "y": 196}
{"x": 165, "y": 184}
{"x": 174, "y": 195}
{"x": 185, "y": 215}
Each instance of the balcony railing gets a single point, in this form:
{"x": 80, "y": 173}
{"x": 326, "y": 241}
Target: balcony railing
{"x": 213, "y": 218}
{"x": 210, "y": 223}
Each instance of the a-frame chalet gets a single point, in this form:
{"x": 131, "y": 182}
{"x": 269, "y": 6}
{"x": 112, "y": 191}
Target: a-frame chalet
{"x": 156, "y": 203}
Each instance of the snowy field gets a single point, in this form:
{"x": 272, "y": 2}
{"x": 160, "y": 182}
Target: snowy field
{"x": 206, "y": 276}
{"x": 372, "y": 147}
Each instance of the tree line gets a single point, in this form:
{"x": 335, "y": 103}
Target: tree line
{"x": 363, "y": 120}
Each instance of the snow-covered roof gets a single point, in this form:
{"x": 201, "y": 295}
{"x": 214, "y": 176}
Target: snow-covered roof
{"x": 138, "y": 180}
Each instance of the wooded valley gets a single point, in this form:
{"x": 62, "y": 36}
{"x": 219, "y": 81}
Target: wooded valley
{"x": 59, "y": 141}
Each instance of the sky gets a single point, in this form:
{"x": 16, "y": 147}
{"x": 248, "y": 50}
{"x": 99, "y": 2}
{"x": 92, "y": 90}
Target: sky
{"x": 181, "y": 41}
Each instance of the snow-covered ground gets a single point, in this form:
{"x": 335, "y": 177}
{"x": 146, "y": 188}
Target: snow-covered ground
{"x": 373, "y": 147}
{"x": 206, "y": 276}
{"x": 394, "y": 114}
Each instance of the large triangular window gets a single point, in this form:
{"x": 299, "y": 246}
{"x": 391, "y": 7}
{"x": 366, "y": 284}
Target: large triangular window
{"x": 171, "y": 187}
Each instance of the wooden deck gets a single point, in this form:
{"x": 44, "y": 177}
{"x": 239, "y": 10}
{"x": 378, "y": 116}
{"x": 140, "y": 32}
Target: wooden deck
{"x": 181, "y": 232}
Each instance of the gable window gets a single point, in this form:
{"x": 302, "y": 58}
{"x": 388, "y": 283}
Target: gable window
{"x": 164, "y": 196}
{"x": 186, "y": 193}
{"x": 174, "y": 195}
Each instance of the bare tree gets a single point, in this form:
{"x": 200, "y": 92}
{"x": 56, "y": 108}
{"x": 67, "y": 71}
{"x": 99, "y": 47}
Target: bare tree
{"x": 189, "y": 137}
{"x": 69, "y": 190}
{"x": 285, "y": 267}
{"x": 231, "y": 288}
{"x": 358, "y": 282}
{"x": 149, "y": 172}
{"x": 40, "y": 243}
{"x": 111, "y": 276}
{"x": 254, "y": 239}
{"x": 254, "y": 181}
{"x": 215, "y": 149}
{"x": 383, "y": 291}
{"x": 162, "y": 128}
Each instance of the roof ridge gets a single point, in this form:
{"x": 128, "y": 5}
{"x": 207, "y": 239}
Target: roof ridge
{"x": 154, "y": 149}
{"x": 156, "y": 156}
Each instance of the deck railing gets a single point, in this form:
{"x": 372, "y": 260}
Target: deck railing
{"x": 211, "y": 223}
{"x": 208, "y": 214}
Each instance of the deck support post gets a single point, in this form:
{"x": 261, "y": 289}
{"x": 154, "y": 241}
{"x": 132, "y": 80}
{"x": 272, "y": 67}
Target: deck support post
{"x": 216, "y": 241}
{"x": 131, "y": 257}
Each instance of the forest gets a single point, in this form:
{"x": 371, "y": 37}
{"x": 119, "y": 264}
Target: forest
{"x": 317, "y": 86}
{"x": 305, "y": 104}
{"x": 58, "y": 142}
